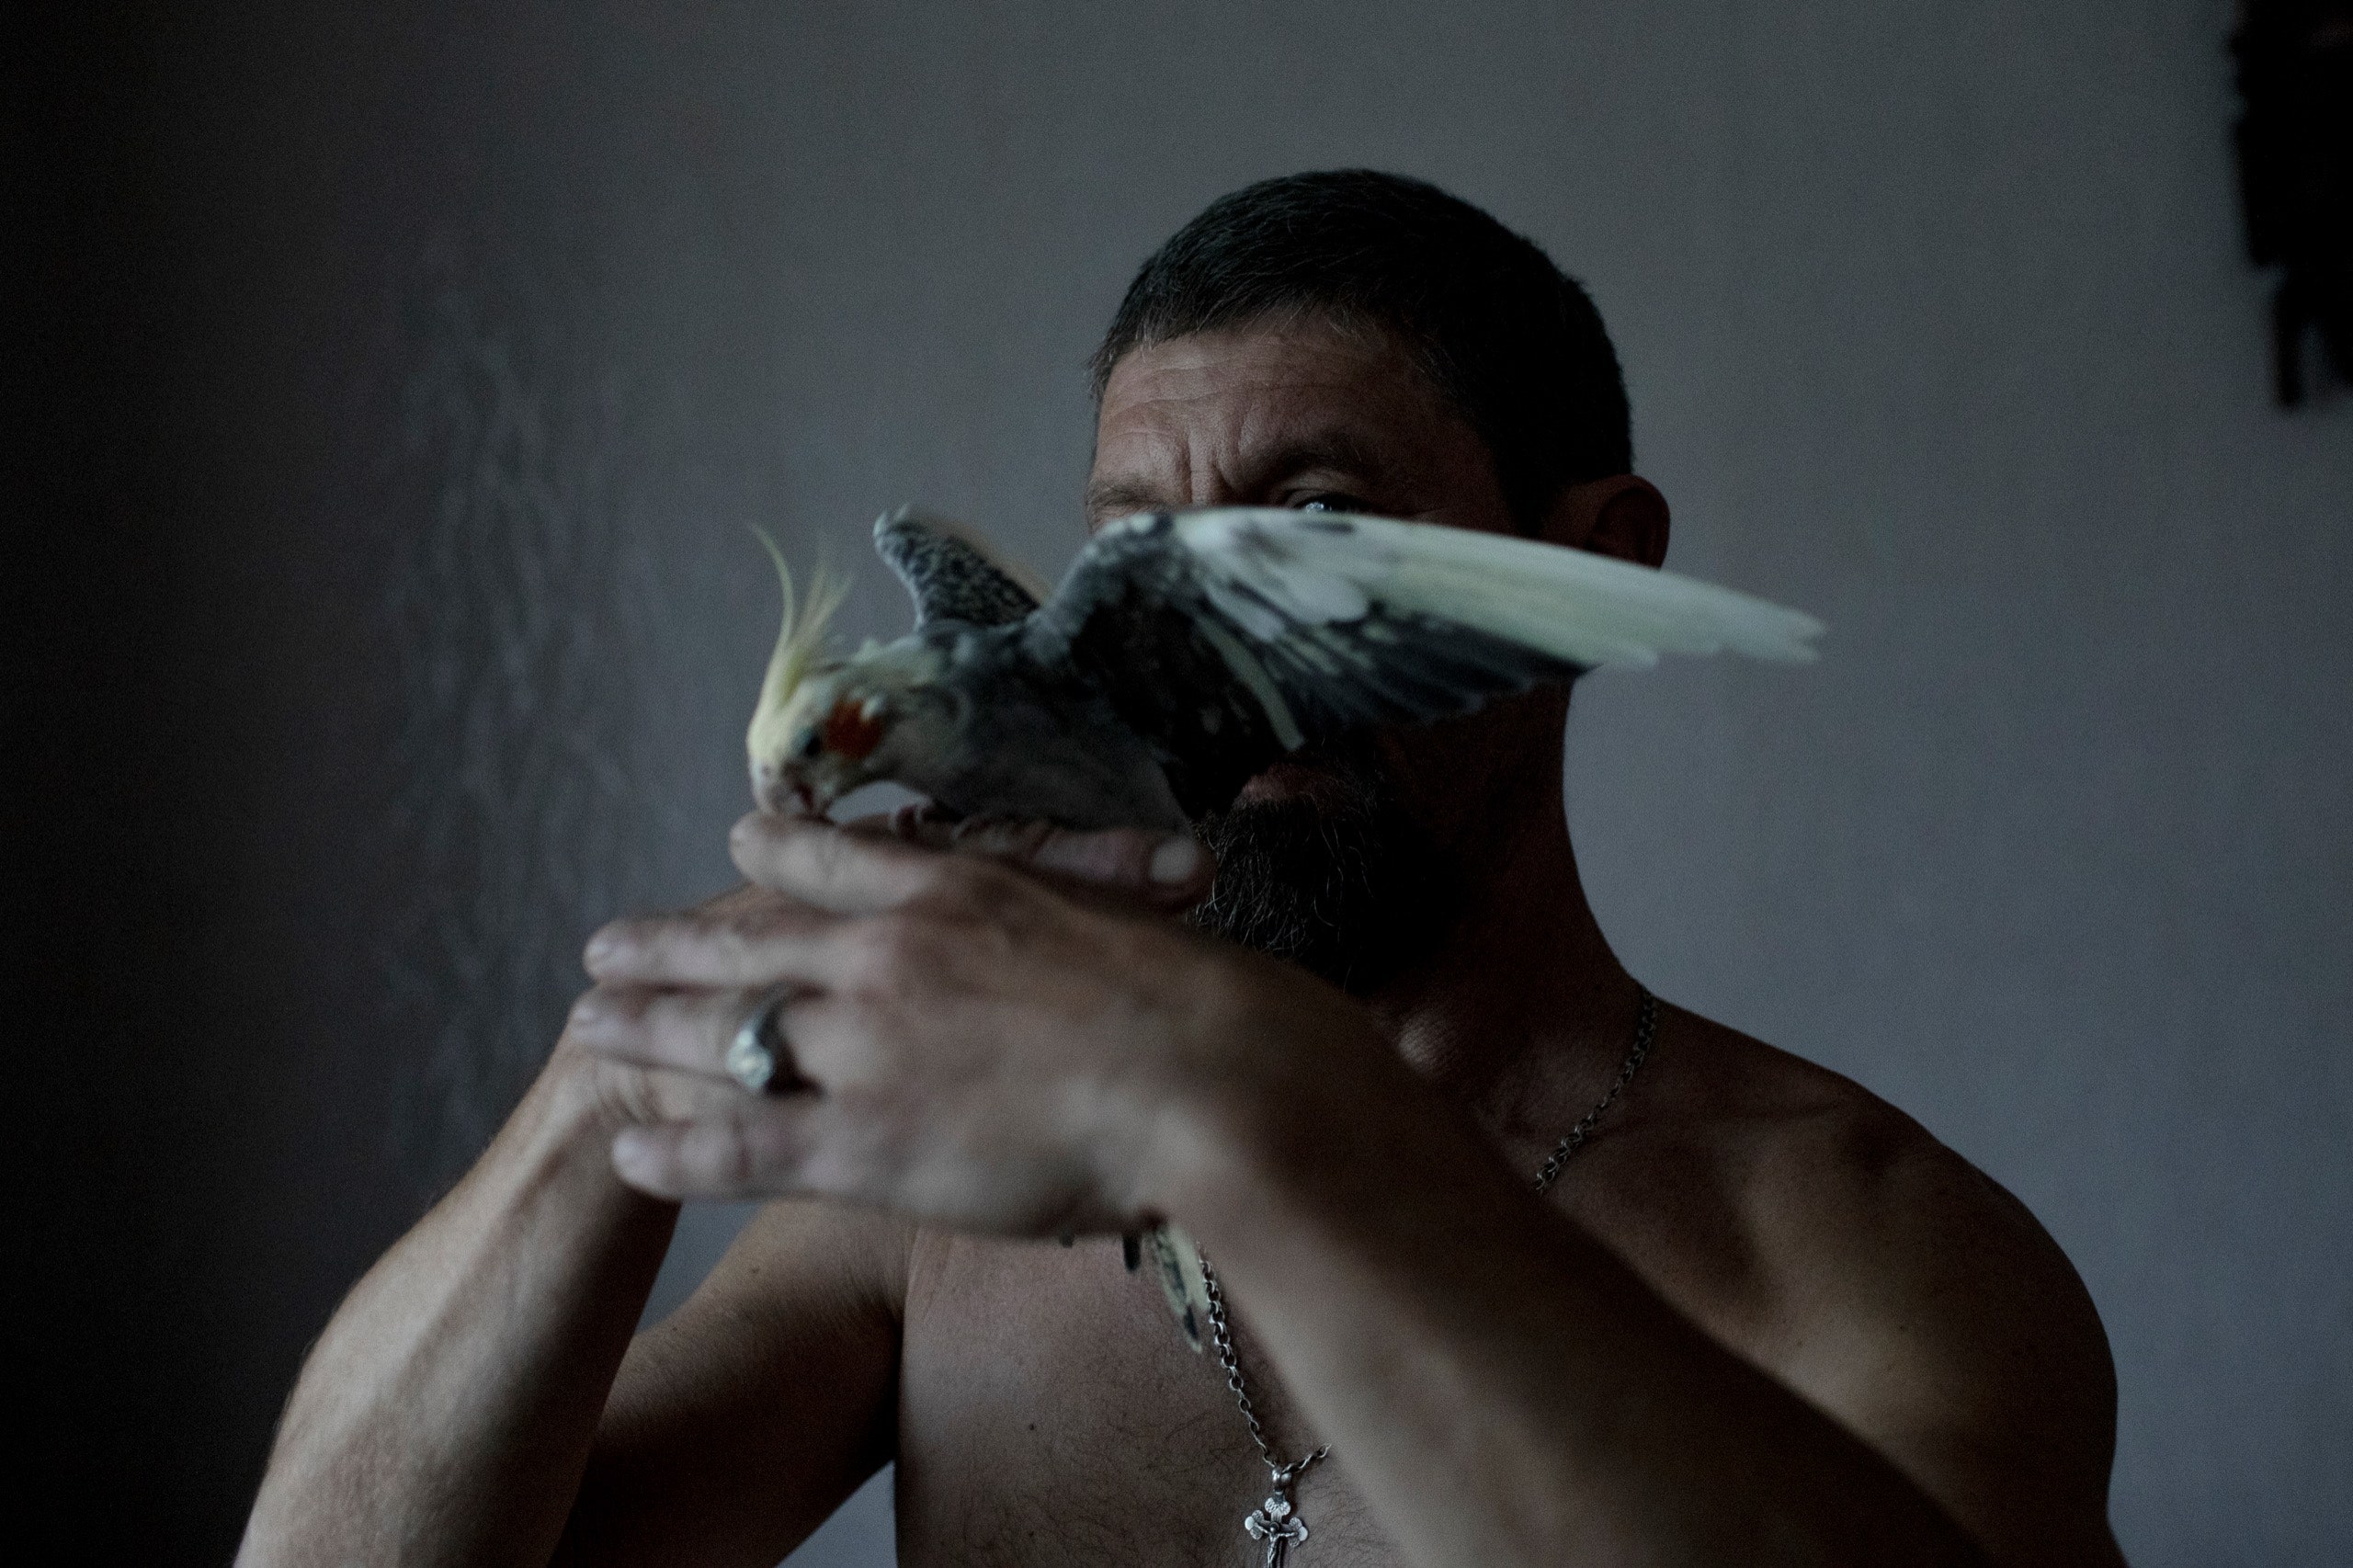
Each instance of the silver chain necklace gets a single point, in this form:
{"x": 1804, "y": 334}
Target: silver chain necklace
{"x": 1276, "y": 1521}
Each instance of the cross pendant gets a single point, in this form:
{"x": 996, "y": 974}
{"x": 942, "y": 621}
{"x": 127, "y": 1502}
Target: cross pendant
{"x": 1275, "y": 1523}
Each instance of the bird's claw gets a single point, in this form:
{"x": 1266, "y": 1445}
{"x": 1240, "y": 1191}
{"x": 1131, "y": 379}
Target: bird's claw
{"x": 911, "y": 821}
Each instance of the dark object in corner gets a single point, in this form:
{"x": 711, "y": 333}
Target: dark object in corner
{"x": 2295, "y": 145}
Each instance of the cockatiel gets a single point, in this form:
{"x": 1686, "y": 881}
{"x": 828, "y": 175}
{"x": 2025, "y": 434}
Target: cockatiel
{"x": 1185, "y": 651}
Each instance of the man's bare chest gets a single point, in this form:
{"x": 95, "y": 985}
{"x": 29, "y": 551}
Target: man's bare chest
{"x": 1050, "y": 1412}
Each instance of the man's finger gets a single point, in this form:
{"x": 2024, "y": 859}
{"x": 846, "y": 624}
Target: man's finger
{"x": 755, "y": 1150}
{"x": 1167, "y": 868}
{"x": 688, "y": 1031}
{"x": 740, "y": 900}
{"x": 1133, "y": 865}
{"x": 822, "y": 864}
{"x": 1172, "y": 871}
{"x": 739, "y": 942}
{"x": 648, "y": 1095}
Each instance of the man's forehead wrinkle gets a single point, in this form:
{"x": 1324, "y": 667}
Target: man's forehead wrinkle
{"x": 1158, "y": 434}
{"x": 1221, "y": 418}
{"x": 1139, "y": 467}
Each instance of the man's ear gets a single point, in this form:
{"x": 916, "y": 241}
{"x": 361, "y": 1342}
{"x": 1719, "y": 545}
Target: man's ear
{"x": 1623, "y": 516}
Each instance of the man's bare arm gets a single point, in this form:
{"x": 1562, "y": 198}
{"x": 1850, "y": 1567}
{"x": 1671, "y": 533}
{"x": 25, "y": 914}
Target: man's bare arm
{"x": 741, "y": 1421}
{"x": 451, "y": 1408}
{"x": 1933, "y": 1315}
{"x": 1508, "y": 1390}
{"x": 445, "y": 1413}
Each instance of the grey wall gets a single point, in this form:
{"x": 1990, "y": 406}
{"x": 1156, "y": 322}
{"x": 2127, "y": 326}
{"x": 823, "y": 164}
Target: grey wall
{"x": 399, "y": 385}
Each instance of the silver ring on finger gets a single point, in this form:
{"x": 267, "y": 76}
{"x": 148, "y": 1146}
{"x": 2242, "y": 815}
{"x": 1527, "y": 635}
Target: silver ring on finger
{"x": 751, "y": 1055}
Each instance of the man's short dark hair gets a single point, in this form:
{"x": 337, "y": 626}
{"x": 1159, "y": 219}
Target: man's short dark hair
{"x": 1511, "y": 341}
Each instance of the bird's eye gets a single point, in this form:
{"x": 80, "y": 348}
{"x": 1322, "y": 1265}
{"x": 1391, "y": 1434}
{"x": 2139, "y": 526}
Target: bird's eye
{"x": 854, "y": 728}
{"x": 811, "y": 742}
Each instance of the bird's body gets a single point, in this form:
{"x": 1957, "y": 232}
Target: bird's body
{"x": 1059, "y": 751}
{"x": 1185, "y": 653}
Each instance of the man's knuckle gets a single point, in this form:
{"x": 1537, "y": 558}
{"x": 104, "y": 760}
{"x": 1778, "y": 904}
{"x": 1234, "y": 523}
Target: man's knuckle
{"x": 898, "y": 942}
{"x": 622, "y": 1092}
{"x": 967, "y": 888}
{"x": 742, "y": 1164}
{"x": 865, "y": 956}
{"x": 744, "y": 931}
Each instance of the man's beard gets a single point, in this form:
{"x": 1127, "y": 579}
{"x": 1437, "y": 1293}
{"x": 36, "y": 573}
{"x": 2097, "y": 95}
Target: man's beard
{"x": 1336, "y": 880}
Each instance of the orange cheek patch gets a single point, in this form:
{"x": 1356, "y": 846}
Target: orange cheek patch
{"x": 851, "y": 731}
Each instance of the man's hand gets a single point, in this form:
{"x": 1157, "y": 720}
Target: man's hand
{"x": 970, "y": 1043}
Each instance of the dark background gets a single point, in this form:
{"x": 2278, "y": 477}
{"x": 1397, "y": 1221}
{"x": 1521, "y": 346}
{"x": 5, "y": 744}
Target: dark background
{"x": 386, "y": 394}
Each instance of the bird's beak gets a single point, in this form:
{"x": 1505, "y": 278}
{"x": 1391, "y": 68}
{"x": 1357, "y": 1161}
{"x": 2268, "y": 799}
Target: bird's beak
{"x": 769, "y": 790}
{"x": 776, "y": 791}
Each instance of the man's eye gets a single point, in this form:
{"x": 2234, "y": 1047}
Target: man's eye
{"x": 1328, "y": 501}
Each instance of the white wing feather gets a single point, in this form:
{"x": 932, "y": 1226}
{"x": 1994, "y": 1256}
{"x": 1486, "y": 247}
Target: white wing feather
{"x": 1323, "y": 569}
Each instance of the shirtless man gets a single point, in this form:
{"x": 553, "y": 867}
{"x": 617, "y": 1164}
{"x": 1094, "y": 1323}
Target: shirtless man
{"x": 1763, "y": 1318}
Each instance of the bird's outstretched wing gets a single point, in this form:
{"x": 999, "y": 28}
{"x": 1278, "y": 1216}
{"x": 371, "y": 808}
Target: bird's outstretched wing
{"x": 954, "y": 572}
{"x": 1227, "y": 637}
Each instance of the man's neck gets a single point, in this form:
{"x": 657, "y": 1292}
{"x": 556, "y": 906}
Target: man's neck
{"x": 1522, "y": 1008}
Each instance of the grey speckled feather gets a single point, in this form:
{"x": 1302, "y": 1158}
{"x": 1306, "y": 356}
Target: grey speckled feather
{"x": 954, "y": 572}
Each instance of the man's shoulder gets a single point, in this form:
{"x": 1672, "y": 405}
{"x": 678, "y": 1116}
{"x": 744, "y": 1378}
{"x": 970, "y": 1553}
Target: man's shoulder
{"x": 1787, "y": 1164}
{"x": 1834, "y": 1185}
{"x": 1896, "y": 1284}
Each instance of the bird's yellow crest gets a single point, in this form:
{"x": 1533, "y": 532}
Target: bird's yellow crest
{"x": 799, "y": 642}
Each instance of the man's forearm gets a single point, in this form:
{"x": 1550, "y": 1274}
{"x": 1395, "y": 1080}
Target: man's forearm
{"x": 1507, "y": 1390}
{"x": 447, "y": 1412}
